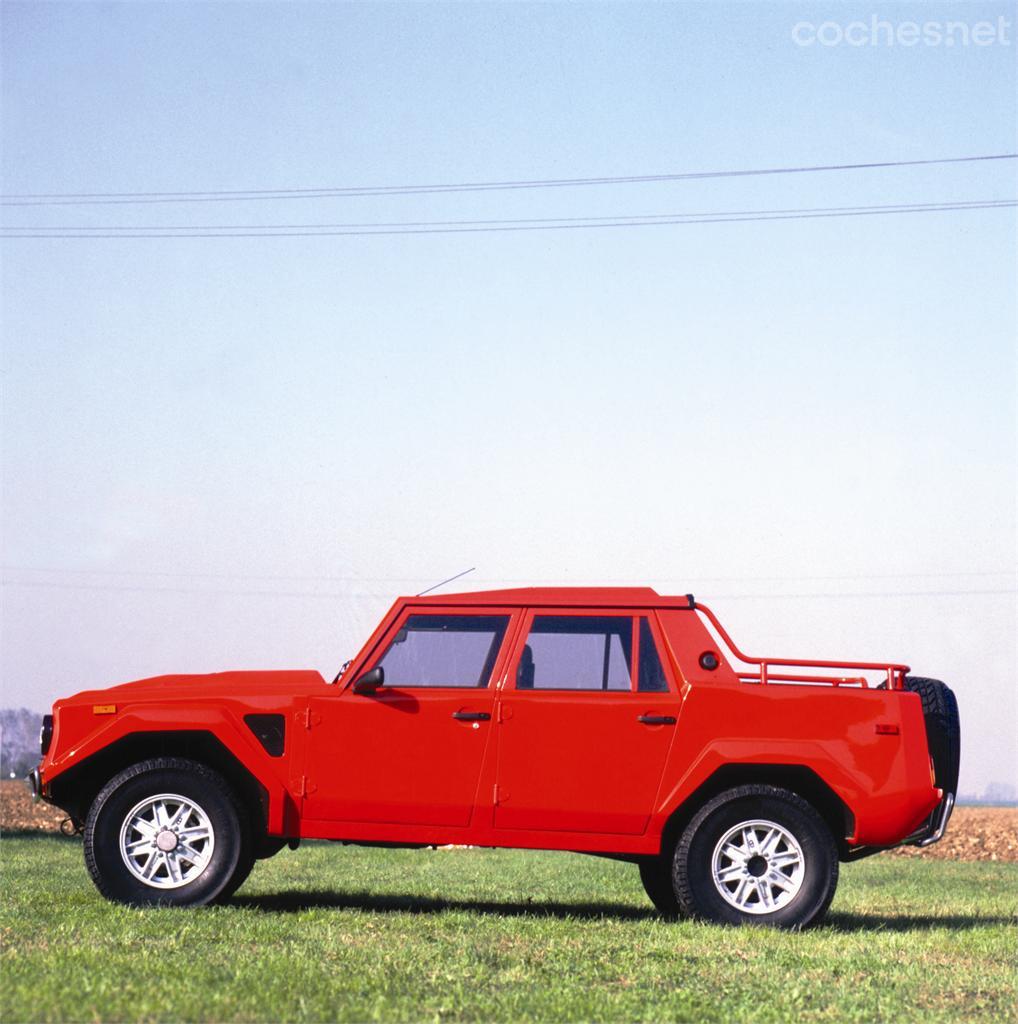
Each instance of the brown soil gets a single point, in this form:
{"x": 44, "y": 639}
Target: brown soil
{"x": 975, "y": 833}
{"x": 17, "y": 811}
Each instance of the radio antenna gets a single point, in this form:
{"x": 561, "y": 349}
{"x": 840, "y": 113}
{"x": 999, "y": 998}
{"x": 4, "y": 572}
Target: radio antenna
{"x": 444, "y": 582}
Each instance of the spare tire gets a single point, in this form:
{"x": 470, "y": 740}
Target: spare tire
{"x": 943, "y": 728}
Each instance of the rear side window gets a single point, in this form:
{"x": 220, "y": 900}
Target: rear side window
{"x": 577, "y": 652}
{"x": 651, "y": 677}
{"x": 444, "y": 651}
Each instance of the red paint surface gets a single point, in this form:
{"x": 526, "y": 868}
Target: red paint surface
{"x": 572, "y": 770}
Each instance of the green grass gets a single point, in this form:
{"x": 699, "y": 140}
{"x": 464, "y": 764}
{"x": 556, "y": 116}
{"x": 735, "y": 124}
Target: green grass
{"x": 340, "y": 933}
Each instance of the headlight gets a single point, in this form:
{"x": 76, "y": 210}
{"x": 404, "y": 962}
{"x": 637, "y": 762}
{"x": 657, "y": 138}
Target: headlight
{"x": 46, "y": 734}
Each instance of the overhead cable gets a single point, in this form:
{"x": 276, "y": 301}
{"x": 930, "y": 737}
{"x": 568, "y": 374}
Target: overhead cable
{"x": 325, "y": 192}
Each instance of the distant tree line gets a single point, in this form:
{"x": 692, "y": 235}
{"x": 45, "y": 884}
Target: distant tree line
{"x": 19, "y": 741}
{"x": 995, "y": 793}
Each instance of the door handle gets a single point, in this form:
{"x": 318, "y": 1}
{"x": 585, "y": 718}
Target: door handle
{"x": 471, "y": 716}
{"x": 656, "y": 719}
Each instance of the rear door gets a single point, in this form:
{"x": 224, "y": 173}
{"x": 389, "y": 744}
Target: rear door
{"x": 411, "y": 752}
{"x": 586, "y": 721}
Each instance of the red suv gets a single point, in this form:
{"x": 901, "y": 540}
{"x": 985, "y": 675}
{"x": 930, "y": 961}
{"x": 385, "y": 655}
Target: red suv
{"x": 611, "y": 721}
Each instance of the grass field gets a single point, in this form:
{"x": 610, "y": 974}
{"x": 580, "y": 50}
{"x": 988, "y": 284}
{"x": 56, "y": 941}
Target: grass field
{"x": 340, "y": 933}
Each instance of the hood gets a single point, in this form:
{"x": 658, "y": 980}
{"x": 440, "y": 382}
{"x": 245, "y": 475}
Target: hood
{"x": 219, "y": 685}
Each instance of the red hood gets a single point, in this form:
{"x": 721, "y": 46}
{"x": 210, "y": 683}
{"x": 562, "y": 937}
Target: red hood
{"x": 237, "y": 685}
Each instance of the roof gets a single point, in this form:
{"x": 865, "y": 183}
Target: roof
{"x": 581, "y": 597}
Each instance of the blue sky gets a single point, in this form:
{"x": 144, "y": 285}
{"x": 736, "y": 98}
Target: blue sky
{"x": 231, "y": 453}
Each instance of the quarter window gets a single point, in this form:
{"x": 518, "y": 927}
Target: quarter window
{"x": 444, "y": 651}
{"x": 651, "y": 676}
{"x": 577, "y": 652}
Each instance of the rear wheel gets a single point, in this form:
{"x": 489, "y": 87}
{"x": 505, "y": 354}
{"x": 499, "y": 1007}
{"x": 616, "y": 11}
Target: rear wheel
{"x": 167, "y": 832}
{"x": 756, "y": 855}
{"x": 656, "y": 875}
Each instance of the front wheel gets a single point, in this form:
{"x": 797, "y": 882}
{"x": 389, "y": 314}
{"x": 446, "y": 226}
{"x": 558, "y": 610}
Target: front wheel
{"x": 756, "y": 855}
{"x": 165, "y": 832}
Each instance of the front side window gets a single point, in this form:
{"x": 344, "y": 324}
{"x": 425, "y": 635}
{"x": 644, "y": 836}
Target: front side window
{"x": 577, "y": 652}
{"x": 444, "y": 651}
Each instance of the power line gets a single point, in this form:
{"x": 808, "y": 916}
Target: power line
{"x": 636, "y": 218}
{"x": 221, "y": 195}
{"x": 212, "y": 575}
{"x": 334, "y": 595}
{"x": 565, "y": 224}
{"x": 195, "y": 591}
{"x": 858, "y": 594}
{"x": 276, "y": 578}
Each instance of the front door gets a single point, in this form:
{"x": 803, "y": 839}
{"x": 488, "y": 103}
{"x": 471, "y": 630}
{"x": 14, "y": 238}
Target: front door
{"x": 410, "y": 753}
{"x": 588, "y": 716}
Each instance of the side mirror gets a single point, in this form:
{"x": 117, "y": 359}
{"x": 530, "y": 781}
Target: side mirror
{"x": 370, "y": 681}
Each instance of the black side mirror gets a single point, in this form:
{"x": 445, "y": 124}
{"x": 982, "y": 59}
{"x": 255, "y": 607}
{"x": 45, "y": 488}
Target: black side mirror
{"x": 370, "y": 681}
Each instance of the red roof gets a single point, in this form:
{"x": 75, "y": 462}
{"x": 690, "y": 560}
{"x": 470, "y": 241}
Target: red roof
{"x": 578, "y": 597}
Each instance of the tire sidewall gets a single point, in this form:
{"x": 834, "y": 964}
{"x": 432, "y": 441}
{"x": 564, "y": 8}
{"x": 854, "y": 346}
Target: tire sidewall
{"x": 692, "y": 868}
{"x": 102, "y": 837}
{"x": 656, "y": 876}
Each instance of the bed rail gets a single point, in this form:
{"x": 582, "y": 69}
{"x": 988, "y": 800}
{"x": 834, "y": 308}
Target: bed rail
{"x": 763, "y": 674}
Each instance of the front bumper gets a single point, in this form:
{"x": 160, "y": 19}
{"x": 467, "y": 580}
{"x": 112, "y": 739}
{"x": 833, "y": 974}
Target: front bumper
{"x": 34, "y": 780}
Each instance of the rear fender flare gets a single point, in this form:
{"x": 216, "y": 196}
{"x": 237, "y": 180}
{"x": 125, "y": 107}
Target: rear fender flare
{"x": 807, "y": 770}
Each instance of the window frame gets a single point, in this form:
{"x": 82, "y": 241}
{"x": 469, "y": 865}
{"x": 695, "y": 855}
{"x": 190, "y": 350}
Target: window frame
{"x": 633, "y": 614}
{"x": 440, "y": 611}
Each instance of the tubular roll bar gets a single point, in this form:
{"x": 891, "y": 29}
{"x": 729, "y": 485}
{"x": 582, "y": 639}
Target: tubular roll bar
{"x": 895, "y": 673}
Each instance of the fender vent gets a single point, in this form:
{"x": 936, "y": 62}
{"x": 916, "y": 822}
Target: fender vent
{"x": 270, "y": 730}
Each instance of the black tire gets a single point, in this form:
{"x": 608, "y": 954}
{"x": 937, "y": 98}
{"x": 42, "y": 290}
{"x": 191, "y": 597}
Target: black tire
{"x": 943, "y": 728}
{"x": 132, "y": 788}
{"x": 800, "y": 899}
{"x": 656, "y": 875}
{"x": 245, "y": 865}
{"x": 251, "y": 853}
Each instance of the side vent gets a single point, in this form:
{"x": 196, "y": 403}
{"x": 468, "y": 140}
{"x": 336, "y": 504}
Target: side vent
{"x": 270, "y": 731}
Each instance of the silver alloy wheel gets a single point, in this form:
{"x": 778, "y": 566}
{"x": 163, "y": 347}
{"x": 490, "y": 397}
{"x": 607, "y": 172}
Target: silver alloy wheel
{"x": 758, "y": 867}
{"x": 166, "y": 841}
